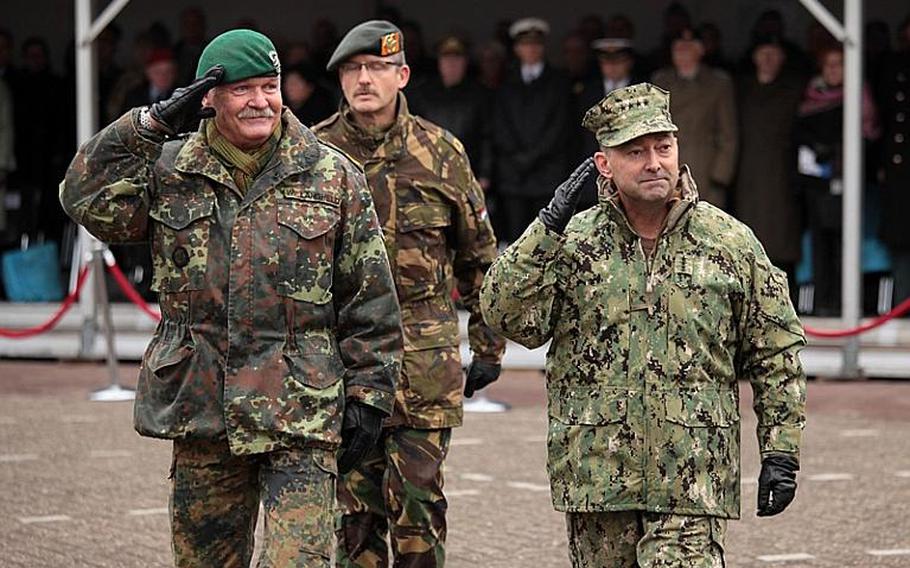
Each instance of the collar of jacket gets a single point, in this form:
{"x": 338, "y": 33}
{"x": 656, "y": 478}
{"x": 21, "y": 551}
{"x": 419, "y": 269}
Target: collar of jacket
{"x": 297, "y": 151}
{"x": 389, "y": 145}
{"x": 608, "y": 196}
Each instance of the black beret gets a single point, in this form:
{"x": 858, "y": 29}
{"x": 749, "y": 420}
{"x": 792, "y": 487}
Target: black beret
{"x": 376, "y": 37}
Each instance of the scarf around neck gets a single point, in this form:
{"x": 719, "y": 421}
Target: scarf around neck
{"x": 243, "y": 166}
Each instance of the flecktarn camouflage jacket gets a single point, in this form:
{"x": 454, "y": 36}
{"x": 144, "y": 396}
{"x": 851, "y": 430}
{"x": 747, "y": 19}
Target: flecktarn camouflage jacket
{"x": 277, "y": 304}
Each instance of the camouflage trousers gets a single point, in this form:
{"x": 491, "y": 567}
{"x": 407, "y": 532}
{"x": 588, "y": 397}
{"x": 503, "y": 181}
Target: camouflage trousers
{"x": 215, "y": 499}
{"x": 395, "y": 492}
{"x": 636, "y": 539}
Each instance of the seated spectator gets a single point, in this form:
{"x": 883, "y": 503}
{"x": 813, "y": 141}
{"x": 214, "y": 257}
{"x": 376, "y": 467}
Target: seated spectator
{"x": 765, "y": 197}
{"x": 304, "y": 96}
{"x": 704, "y": 108}
{"x": 456, "y": 102}
{"x": 160, "y": 80}
{"x": 819, "y": 139}
{"x": 530, "y": 129}
{"x": 896, "y": 163}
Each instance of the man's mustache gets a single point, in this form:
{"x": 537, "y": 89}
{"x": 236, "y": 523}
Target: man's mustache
{"x": 256, "y": 113}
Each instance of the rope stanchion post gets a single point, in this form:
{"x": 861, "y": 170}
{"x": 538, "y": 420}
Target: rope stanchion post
{"x": 114, "y": 391}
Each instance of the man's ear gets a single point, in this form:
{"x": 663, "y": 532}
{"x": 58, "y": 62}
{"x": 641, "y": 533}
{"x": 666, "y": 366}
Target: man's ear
{"x": 404, "y": 75}
{"x": 207, "y": 98}
{"x": 603, "y": 164}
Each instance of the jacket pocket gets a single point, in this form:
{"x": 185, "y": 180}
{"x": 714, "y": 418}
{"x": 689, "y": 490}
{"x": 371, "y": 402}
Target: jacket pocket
{"x": 180, "y": 241}
{"x": 165, "y": 367}
{"x": 306, "y": 249}
{"x": 423, "y": 265}
{"x": 313, "y": 360}
{"x": 590, "y": 409}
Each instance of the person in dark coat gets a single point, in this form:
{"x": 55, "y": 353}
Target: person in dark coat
{"x": 160, "y": 79}
{"x": 896, "y": 165}
{"x": 530, "y": 129}
{"x": 303, "y": 94}
{"x": 458, "y": 103}
{"x": 819, "y": 139}
{"x": 765, "y": 196}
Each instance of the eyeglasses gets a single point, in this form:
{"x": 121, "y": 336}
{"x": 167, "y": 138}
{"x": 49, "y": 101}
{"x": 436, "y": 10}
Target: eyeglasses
{"x": 373, "y": 67}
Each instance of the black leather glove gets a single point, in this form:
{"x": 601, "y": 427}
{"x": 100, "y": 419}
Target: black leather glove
{"x": 184, "y": 106}
{"x": 360, "y": 431}
{"x": 480, "y": 374}
{"x": 555, "y": 216}
{"x": 776, "y": 483}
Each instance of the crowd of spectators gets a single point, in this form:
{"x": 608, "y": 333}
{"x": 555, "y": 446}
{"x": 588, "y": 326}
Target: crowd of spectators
{"x": 761, "y": 130}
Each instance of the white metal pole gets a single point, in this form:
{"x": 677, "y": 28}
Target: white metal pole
{"x": 851, "y": 276}
{"x": 86, "y": 125}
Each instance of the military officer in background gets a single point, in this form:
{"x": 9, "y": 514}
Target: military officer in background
{"x": 439, "y": 238}
{"x": 655, "y": 304}
{"x": 279, "y": 315}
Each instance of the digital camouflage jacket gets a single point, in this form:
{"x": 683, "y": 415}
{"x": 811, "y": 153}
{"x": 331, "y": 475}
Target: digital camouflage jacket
{"x": 276, "y": 305}
{"x": 645, "y": 355}
{"x": 438, "y": 236}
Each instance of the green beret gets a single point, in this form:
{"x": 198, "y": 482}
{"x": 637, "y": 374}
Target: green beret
{"x": 243, "y": 53}
{"x": 376, "y": 37}
{"x": 630, "y": 112}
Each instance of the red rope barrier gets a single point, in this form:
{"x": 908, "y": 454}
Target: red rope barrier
{"x": 128, "y": 289}
{"x": 898, "y": 311}
{"x": 49, "y": 324}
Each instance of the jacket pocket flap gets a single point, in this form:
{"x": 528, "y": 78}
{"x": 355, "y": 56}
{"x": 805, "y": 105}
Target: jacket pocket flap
{"x": 178, "y": 212}
{"x": 702, "y": 408}
{"x": 418, "y": 216}
{"x": 309, "y": 219}
{"x": 313, "y": 360}
{"x": 590, "y": 408}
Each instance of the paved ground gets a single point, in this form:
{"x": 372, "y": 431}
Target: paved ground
{"x": 79, "y": 488}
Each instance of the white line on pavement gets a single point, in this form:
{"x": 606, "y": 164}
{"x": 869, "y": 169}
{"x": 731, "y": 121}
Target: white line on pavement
{"x": 44, "y": 519}
{"x": 859, "y": 433}
{"x": 145, "y": 512}
{"x": 476, "y": 477}
{"x": 891, "y": 552}
{"x": 527, "y": 486}
{"x": 78, "y": 419}
{"x": 905, "y": 473}
{"x": 830, "y": 477}
{"x": 786, "y": 557}
{"x": 467, "y": 442}
{"x": 16, "y": 458}
{"x": 110, "y": 453}
{"x": 462, "y": 492}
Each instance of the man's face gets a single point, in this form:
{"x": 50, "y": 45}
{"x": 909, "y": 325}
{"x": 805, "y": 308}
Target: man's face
{"x": 161, "y": 75}
{"x": 371, "y": 83}
{"x": 768, "y": 59}
{"x": 687, "y": 53}
{"x": 452, "y": 68}
{"x": 833, "y": 68}
{"x": 529, "y": 51}
{"x": 247, "y": 111}
{"x": 615, "y": 67}
{"x": 645, "y": 170}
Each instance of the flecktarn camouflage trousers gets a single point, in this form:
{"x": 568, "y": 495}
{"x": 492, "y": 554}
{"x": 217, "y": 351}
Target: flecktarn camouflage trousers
{"x": 215, "y": 500}
{"x": 396, "y": 492}
{"x": 637, "y": 539}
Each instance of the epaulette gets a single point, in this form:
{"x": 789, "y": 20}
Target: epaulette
{"x": 327, "y": 122}
{"x": 443, "y": 134}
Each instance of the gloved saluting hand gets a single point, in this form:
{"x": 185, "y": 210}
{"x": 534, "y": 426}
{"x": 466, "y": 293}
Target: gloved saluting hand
{"x": 184, "y": 106}
{"x": 776, "y": 483}
{"x": 556, "y": 215}
{"x": 480, "y": 374}
{"x": 360, "y": 431}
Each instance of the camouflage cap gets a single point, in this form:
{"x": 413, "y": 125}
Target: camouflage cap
{"x": 628, "y": 113}
{"x": 375, "y": 37}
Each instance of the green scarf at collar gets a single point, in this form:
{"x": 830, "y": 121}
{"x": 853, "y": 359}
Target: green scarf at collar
{"x": 244, "y": 167}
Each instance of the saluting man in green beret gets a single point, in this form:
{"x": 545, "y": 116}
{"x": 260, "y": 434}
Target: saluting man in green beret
{"x": 279, "y": 319}
{"x": 439, "y": 238}
{"x": 655, "y": 304}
